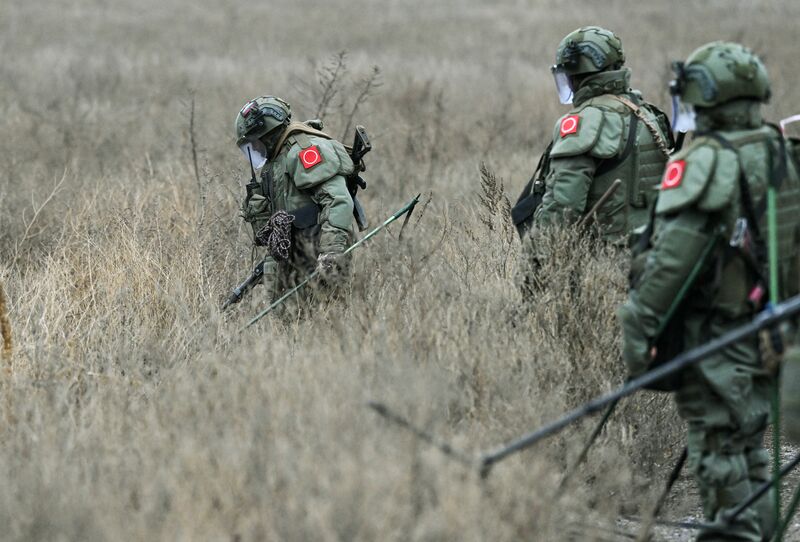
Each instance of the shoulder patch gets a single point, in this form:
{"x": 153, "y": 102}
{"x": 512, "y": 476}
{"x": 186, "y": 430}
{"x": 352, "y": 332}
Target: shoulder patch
{"x": 322, "y": 160}
{"x": 673, "y": 175}
{"x": 310, "y": 157}
{"x": 576, "y": 133}
{"x": 570, "y": 125}
{"x": 686, "y": 178}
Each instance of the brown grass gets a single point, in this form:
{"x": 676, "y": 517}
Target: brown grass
{"x": 5, "y": 328}
{"x": 137, "y": 411}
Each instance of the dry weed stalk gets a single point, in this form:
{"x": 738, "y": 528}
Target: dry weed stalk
{"x": 329, "y": 78}
{"x": 368, "y": 87}
{"x": 5, "y": 329}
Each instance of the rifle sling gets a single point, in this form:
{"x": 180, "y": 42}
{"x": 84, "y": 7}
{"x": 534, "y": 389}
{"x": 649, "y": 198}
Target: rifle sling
{"x": 299, "y": 127}
{"x": 610, "y": 165}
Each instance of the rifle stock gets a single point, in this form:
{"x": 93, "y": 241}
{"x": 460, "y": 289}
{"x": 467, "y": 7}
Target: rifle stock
{"x": 238, "y": 293}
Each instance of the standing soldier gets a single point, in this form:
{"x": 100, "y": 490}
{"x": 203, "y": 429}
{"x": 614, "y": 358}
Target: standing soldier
{"x": 300, "y": 209}
{"x": 610, "y": 133}
{"x": 708, "y": 243}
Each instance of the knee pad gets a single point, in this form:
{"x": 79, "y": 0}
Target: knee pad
{"x": 758, "y": 464}
{"x": 718, "y": 470}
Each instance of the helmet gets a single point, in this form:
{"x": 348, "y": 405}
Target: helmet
{"x": 719, "y": 72}
{"x": 256, "y": 119}
{"x": 590, "y": 49}
{"x": 260, "y": 116}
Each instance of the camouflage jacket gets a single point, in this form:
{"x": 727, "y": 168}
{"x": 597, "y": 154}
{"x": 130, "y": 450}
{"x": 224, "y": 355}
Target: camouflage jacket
{"x": 307, "y": 179}
{"x": 609, "y": 134}
{"x": 699, "y": 207}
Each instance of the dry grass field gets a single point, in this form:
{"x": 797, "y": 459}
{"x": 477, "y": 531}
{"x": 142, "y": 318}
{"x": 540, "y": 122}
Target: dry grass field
{"x": 133, "y": 409}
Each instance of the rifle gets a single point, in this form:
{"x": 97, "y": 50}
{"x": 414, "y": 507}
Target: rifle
{"x": 361, "y": 146}
{"x": 258, "y": 272}
{"x": 238, "y": 293}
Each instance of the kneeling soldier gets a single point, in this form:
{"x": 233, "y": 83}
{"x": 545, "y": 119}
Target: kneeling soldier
{"x": 300, "y": 209}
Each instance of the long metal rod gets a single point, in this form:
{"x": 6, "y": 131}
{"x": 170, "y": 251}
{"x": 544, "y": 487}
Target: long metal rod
{"x": 673, "y": 477}
{"x": 592, "y": 214}
{"x": 440, "y": 445}
{"x": 585, "y": 451}
{"x": 790, "y": 511}
{"x": 406, "y": 209}
{"x": 767, "y": 318}
{"x": 741, "y": 507}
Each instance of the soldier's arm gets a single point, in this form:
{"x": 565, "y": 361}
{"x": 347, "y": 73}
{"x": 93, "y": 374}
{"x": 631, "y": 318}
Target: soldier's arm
{"x": 697, "y": 185}
{"x": 567, "y": 190}
{"x": 581, "y": 141}
{"x": 336, "y": 214}
{"x": 679, "y": 244}
{"x": 320, "y": 171}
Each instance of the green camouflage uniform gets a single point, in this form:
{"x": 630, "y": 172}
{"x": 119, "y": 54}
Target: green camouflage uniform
{"x": 724, "y": 399}
{"x": 790, "y": 395}
{"x": 305, "y": 177}
{"x": 790, "y": 371}
{"x": 610, "y": 133}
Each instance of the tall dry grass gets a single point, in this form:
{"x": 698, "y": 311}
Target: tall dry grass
{"x": 136, "y": 410}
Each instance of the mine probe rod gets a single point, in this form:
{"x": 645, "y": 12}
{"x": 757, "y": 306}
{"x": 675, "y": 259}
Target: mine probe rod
{"x": 767, "y": 318}
{"x": 790, "y": 510}
{"x": 408, "y": 208}
{"x": 442, "y": 446}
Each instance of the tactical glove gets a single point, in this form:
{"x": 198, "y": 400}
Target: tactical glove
{"x": 635, "y": 346}
{"x": 329, "y": 266}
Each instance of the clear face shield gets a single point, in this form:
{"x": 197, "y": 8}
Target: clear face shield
{"x": 683, "y": 116}
{"x": 563, "y": 86}
{"x": 256, "y": 152}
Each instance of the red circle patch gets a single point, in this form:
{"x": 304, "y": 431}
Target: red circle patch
{"x": 673, "y": 174}
{"x": 310, "y": 157}
{"x": 569, "y": 125}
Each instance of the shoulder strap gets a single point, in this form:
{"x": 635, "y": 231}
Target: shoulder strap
{"x": 749, "y": 209}
{"x": 299, "y": 127}
{"x": 662, "y": 145}
{"x": 609, "y": 165}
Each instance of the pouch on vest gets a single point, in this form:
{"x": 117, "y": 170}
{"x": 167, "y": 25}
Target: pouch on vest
{"x": 532, "y": 194}
{"x": 305, "y": 230}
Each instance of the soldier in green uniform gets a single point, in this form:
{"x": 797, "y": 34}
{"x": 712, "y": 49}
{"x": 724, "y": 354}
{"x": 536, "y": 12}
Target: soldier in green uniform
{"x": 610, "y": 133}
{"x": 790, "y": 395}
{"x": 710, "y": 218}
{"x": 300, "y": 208}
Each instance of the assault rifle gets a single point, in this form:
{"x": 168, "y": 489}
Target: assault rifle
{"x": 258, "y": 272}
{"x": 238, "y": 293}
{"x": 361, "y": 146}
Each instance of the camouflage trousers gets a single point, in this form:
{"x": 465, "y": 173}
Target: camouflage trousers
{"x": 725, "y": 401}
{"x": 790, "y": 394}
{"x": 279, "y": 277}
